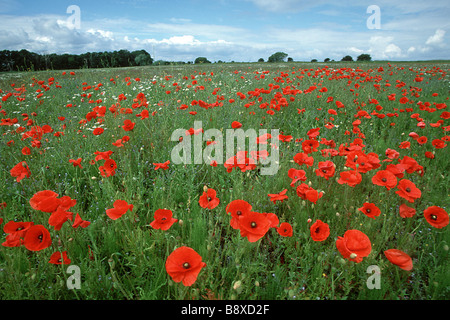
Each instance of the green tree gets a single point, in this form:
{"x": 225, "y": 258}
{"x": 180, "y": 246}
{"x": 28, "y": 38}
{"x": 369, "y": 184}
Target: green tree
{"x": 261, "y": 60}
{"x": 326, "y": 60}
{"x": 347, "y": 58}
{"x": 277, "y": 57}
{"x": 364, "y": 57}
{"x": 201, "y": 60}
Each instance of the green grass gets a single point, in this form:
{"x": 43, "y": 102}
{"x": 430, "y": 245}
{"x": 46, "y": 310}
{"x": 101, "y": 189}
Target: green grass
{"x": 125, "y": 258}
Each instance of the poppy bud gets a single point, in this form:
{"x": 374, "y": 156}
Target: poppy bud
{"x": 353, "y": 256}
{"x": 237, "y": 285}
{"x": 446, "y": 247}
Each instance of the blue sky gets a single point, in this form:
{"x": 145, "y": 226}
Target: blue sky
{"x": 231, "y": 30}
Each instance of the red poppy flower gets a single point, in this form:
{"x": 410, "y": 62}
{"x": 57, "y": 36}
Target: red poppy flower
{"x": 37, "y": 238}
{"x": 78, "y": 222}
{"x": 429, "y": 154}
{"x": 243, "y": 162}
{"x": 303, "y": 158}
{"x": 422, "y": 140}
{"x": 354, "y": 245}
{"x": 20, "y": 171}
{"x": 438, "y": 144}
{"x": 399, "y": 258}
{"x": 385, "y": 178}
{"x": 58, "y": 258}
{"x": 397, "y": 169}
{"x": 313, "y": 133}
{"x": 163, "y": 219}
{"x": 408, "y": 190}
{"x": 278, "y": 196}
{"x": 310, "y": 146}
{"x": 58, "y": 218}
{"x": 236, "y": 124}
{"x": 296, "y": 175}
{"x": 98, "y": 131}
{"x": 409, "y": 164}
{"x": 76, "y": 163}
{"x": 118, "y": 143}
{"x": 26, "y": 151}
{"x": 370, "y": 210}
{"x": 45, "y": 201}
{"x": 436, "y": 216}
{"x": 404, "y": 145}
{"x": 319, "y": 231}
{"x": 128, "y": 125}
{"x": 102, "y": 155}
{"x": 351, "y": 178}
{"x": 143, "y": 115}
{"x": 15, "y": 231}
{"x": 108, "y": 168}
{"x": 284, "y": 138}
{"x": 120, "y": 207}
{"x": 313, "y": 195}
{"x": 285, "y": 230}
{"x": 163, "y": 165}
{"x": 273, "y": 219}
{"x": 406, "y": 212}
{"x": 254, "y": 225}
{"x": 208, "y": 199}
{"x": 392, "y": 154}
{"x": 326, "y": 169}
{"x": 237, "y": 208}
{"x": 183, "y": 265}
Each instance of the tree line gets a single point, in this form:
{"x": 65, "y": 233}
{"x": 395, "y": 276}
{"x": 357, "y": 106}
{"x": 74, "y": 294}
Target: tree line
{"x": 25, "y": 60}
{"x": 281, "y": 57}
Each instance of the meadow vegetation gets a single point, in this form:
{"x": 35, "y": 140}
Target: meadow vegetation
{"x": 86, "y": 155}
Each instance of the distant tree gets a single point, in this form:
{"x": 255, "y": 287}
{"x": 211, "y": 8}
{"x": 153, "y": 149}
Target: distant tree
{"x": 314, "y": 60}
{"x": 143, "y": 60}
{"x": 277, "y": 57}
{"x": 161, "y": 63}
{"x": 347, "y": 58}
{"x": 201, "y": 60}
{"x": 364, "y": 57}
{"x": 261, "y": 60}
{"x": 290, "y": 59}
{"x": 25, "y": 60}
{"x": 326, "y": 60}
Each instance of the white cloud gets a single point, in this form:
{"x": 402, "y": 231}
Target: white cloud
{"x": 403, "y": 34}
{"x": 384, "y": 48}
{"x": 437, "y": 38}
{"x": 101, "y": 33}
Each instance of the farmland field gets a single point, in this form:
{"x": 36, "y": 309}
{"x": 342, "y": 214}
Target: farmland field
{"x": 95, "y": 205}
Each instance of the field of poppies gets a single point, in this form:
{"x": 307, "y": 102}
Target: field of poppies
{"x": 95, "y": 205}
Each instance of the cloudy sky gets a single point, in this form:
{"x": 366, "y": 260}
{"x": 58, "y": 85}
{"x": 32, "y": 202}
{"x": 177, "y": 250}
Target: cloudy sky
{"x": 231, "y": 30}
